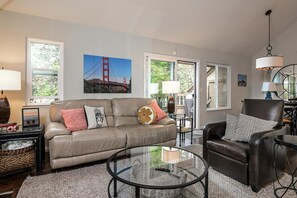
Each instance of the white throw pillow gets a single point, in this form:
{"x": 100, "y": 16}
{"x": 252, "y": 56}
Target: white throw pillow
{"x": 95, "y": 117}
{"x": 248, "y": 125}
{"x": 231, "y": 124}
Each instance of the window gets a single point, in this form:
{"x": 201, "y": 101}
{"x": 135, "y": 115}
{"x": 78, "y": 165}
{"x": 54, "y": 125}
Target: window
{"x": 44, "y": 71}
{"x": 218, "y": 87}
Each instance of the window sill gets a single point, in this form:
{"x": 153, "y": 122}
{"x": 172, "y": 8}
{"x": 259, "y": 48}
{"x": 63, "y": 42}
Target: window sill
{"x": 218, "y": 109}
{"x": 36, "y": 105}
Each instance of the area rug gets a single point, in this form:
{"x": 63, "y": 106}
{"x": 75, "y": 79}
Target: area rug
{"x": 92, "y": 182}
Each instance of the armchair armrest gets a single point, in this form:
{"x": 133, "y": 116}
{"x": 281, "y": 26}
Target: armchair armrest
{"x": 55, "y": 128}
{"x": 212, "y": 131}
{"x": 166, "y": 121}
{"x": 261, "y": 157}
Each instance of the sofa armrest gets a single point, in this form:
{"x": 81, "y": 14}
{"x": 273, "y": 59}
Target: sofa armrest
{"x": 166, "y": 121}
{"x": 261, "y": 157}
{"x": 212, "y": 131}
{"x": 55, "y": 128}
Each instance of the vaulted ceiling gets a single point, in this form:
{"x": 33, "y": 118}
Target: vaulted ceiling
{"x": 232, "y": 26}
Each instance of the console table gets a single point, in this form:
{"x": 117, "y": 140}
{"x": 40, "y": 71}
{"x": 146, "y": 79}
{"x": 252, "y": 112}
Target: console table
{"x": 32, "y": 133}
{"x": 281, "y": 141}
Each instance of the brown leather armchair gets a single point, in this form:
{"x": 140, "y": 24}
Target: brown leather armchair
{"x": 249, "y": 163}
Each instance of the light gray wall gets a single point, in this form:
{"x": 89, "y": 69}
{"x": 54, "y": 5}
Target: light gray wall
{"x": 80, "y": 39}
{"x": 286, "y": 45}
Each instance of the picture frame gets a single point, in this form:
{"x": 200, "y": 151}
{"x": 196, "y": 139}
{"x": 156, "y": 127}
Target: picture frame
{"x": 103, "y": 74}
{"x": 30, "y": 117}
{"x": 242, "y": 80}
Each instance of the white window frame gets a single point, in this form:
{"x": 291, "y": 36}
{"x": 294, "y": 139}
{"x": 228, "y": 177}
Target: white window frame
{"x": 29, "y": 70}
{"x": 228, "y": 67}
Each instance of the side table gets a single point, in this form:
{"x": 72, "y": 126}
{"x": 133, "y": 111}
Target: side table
{"x": 182, "y": 129}
{"x": 281, "y": 141}
{"x": 34, "y": 133}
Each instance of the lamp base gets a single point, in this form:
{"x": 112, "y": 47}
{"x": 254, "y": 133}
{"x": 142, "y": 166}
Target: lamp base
{"x": 268, "y": 96}
{"x": 4, "y": 109}
{"x": 170, "y": 105}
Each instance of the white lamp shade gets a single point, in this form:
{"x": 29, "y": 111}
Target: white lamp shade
{"x": 269, "y": 62}
{"x": 10, "y": 80}
{"x": 170, "y": 87}
{"x": 268, "y": 86}
{"x": 154, "y": 88}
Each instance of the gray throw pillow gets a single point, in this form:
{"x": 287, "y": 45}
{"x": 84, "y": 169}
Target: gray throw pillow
{"x": 231, "y": 123}
{"x": 95, "y": 117}
{"x": 248, "y": 125}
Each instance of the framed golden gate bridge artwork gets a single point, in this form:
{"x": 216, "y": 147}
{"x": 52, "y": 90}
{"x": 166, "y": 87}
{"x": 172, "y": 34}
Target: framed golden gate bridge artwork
{"x": 106, "y": 75}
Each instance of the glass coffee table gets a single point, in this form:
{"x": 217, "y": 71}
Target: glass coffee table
{"x": 157, "y": 171}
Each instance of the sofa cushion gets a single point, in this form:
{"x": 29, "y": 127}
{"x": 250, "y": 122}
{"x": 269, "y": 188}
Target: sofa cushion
{"x": 160, "y": 113}
{"x": 146, "y": 115}
{"x": 248, "y": 125}
{"x": 74, "y": 119}
{"x": 231, "y": 124}
{"x": 125, "y": 110}
{"x": 87, "y": 142}
{"x": 95, "y": 117}
{"x": 55, "y": 107}
{"x": 141, "y": 135}
{"x": 235, "y": 150}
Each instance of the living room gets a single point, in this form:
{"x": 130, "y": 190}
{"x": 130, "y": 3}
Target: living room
{"x": 230, "y": 33}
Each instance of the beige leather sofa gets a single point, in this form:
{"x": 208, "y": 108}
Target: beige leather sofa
{"x": 123, "y": 131}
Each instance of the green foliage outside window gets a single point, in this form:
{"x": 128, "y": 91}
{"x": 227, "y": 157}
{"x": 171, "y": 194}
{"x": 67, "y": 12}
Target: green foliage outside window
{"x": 46, "y": 56}
{"x": 45, "y": 85}
{"x": 45, "y": 61}
{"x": 185, "y": 75}
{"x": 160, "y": 71}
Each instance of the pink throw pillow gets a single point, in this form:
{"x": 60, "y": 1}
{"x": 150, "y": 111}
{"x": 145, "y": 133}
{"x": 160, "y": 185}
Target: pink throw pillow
{"x": 160, "y": 113}
{"x": 74, "y": 119}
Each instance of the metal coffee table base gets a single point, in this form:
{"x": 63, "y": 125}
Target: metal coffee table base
{"x": 113, "y": 182}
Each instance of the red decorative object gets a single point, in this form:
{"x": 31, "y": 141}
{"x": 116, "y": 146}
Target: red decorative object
{"x": 10, "y": 127}
{"x": 160, "y": 113}
{"x": 74, "y": 119}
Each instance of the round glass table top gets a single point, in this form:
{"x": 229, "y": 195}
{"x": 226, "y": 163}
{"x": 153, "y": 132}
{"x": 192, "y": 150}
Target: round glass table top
{"x": 157, "y": 167}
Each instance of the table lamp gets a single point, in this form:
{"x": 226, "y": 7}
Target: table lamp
{"x": 9, "y": 81}
{"x": 170, "y": 87}
{"x": 268, "y": 87}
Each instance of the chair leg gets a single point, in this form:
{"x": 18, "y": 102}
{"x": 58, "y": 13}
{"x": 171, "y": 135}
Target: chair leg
{"x": 255, "y": 189}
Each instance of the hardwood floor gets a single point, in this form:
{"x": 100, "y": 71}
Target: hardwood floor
{"x": 12, "y": 183}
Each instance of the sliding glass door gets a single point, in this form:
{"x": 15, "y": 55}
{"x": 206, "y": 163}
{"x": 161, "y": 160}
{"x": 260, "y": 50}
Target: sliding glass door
{"x": 164, "y": 68}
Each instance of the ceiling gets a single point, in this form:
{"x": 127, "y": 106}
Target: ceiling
{"x": 232, "y": 26}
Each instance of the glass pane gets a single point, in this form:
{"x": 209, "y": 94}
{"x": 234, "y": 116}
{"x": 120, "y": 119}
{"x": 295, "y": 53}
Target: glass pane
{"x": 44, "y": 83}
{"x": 45, "y": 56}
{"x": 222, "y": 86}
{"x": 211, "y": 93}
{"x": 185, "y": 73}
{"x": 160, "y": 71}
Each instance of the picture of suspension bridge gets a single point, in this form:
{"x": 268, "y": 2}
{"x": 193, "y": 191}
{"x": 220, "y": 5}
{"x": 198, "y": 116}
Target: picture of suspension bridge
{"x": 106, "y": 75}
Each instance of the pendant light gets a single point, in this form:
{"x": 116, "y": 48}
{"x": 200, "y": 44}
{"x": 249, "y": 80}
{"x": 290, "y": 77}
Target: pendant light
{"x": 269, "y": 62}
